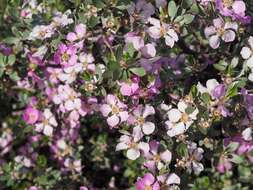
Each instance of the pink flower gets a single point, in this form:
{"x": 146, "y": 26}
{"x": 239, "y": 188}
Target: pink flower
{"x": 169, "y": 179}
{"x": 33, "y": 188}
{"x": 137, "y": 41}
{"x": 66, "y": 55}
{"x": 83, "y": 188}
{"x": 128, "y": 88}
{"x": 80, "y": 31}
{"x": 87, "y": 61}
{"x": 31, "y": 115}
{"x": 148, "y": 182}
{"x": 220, "y": 30}
{"x": 160, "y": 29}
{"x": 155, "y": 159}
{"x": 114, "y": 109}
{"x": 140, "y": 114}
{"x": 133, "y": 144}
{"x": 224, "y": 164}
{"x": 47, "y": 123}
{"x": 235, "y": 9}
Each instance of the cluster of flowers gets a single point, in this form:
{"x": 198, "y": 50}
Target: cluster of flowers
{"x": 174, "y": 96}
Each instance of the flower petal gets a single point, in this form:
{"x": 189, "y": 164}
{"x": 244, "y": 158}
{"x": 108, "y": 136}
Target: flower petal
{"x": 148, "y": 128}
{"x": 113, "y": 120}
{"x": 133, "y": 154}
{"x": 174, "y": 115}
{"x": 214, "y": 41}
{"x": 245, "y": 52}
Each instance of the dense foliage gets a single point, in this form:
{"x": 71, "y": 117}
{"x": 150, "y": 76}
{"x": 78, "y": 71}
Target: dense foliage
{"x": 121, "y": 94}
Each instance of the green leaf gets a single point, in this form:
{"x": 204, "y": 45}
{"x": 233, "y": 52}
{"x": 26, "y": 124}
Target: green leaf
{"x": 182, "y": 150}
{"x": 237, "y": 159}
{"x": 93, "y": 21}
{"x": 205, "y": 97}
{"x": 172, "y": 9}
{"x": 130, "y": 49}
{"x": 221, "y": 66}
{"x": 188, "y": 18}
{"x": 232, "y": 91}
{"x": 42, "y": 161}
{"x": 138, "y": 71}
{"x": 232, "y": 146}
{"x": 11, "y": 59}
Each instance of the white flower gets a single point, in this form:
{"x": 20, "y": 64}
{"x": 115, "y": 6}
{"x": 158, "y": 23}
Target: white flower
{"x": 211, "y": 84}
{"x": 132, "y": 144}
{"x": 247, "y": 134}
{"x": 47, "y": 124}
{"x": 41, "y": 32}
{"x": 62, "y": 19}
{"x": 70, "y": 73}
{"x": 247, "y": 54}
{"x": 179, "y": 121}
{"x": 23, "y": 160}
{"x": 160, "y": 29}
{"x": 141, "y": 113}
{"x": 195, "y": 155}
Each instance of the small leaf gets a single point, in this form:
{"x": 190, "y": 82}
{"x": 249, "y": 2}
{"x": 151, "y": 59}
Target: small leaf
{"x": 221, "y": 66}
{"x": 188, "y": 18}
{"x": 205, "y": 97}
{"x": 232, "y": 146}
{"x": 11, "y": 59}
{"x": 172, "y": 9}
{"x": 237, "y": 159}
{"x": 138, "y": 71}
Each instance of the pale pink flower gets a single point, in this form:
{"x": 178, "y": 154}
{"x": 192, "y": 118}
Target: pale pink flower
{"x": 80, "y": 32}
{"x": 133, "y": 144}
{"x": 148, "y": 182}
{"x": 114, "y": 110}
{"x": 156, "y": 159}
{"x": 128, "y": 88}
{"x": 161, "y": 29}
{"x": 140, "y": 114}
{"x": 48, "y": 122}
{"x": 220, "y": 30}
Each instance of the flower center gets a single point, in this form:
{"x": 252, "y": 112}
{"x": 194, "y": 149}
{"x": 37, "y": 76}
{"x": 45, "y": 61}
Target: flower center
{"x": 148, "y": 187}
{"x": 227, "y": 3}
{"x": 157, "y": 158}
{"x": 184, "y": 118}
{"x": 42, "y": 34}
{"x": 89, "y": 87}
{"x": 45, "y": 122}
{"x": 132, "y": 145}
{"x": 65, "y": 57}
{"x": 115, "y": 109}
{"x": 140, "y": 120}
{"x": 221, "y": 31}
{"x": 163, "y": 31}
